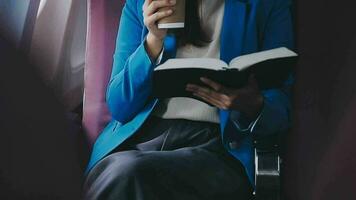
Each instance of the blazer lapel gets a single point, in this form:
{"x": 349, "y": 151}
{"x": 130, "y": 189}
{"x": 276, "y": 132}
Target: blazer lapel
{"x": 232, "y": 40}
{"x": 233, "y": 30}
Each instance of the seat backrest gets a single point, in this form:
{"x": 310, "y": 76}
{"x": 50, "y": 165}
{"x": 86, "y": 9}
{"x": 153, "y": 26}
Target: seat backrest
{"x": 103, "y": 21}
{"x": 58, "y": 47}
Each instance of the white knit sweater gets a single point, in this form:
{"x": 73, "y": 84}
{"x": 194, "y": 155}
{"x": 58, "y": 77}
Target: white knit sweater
{"x": 212, "y": 12}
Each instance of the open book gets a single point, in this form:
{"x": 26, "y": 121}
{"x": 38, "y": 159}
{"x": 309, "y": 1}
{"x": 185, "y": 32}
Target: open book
{"x": 271, "y": 69}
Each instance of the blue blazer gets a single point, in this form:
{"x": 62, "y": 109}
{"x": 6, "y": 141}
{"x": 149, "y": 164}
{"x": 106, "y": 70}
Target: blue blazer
{"x": 248, "y": 26}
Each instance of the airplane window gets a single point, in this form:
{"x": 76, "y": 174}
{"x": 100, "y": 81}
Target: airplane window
{"x": 58, "y": 47}
{"x": 12, "y": 18}
{"x": 40, "y": 9}
{"x": 79, "y": 39}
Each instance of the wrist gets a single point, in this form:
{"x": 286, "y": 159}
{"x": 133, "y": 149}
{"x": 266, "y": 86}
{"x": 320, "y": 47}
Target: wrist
{"x": 256, "y": 108}
{"x": 152, "y": 38}
{"x": 154, "y": 46}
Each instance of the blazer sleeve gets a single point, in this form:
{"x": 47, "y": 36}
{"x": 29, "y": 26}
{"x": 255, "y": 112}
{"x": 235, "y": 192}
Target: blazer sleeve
{"x": 130, "y": 83}
{"x": 275, "y": 116}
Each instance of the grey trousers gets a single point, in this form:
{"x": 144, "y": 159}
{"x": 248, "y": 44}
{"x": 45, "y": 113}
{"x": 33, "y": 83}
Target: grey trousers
{"x": 169, "y": 160}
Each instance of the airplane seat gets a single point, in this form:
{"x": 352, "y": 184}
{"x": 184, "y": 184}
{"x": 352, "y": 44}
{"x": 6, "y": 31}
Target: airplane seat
{"x": 103, "y": 21}
{"x": 102, "y": 30}
{"x": 58, "y": 48}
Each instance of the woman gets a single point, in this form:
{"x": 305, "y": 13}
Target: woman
{"x": 181, "y": 148}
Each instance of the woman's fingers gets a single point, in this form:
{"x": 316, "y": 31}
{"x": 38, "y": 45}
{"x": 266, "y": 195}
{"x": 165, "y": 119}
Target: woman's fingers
{"x": 210, "y": 100}
{"x": 151, "y": 13}
{"x": 207, "y": 92}
{"x": 150, "y": 21}
{"x": 216, "y": 86}
{"x": 247, "y": 99}
{"x": 153, "y": 6}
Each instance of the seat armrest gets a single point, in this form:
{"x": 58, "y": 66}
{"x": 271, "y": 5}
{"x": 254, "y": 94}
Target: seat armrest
{"x": 267, "y": 167}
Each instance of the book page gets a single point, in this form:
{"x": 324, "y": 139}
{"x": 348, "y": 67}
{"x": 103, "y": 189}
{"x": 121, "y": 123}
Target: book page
{"x": 204, "y": 63}
{"x": 245, "y": 61}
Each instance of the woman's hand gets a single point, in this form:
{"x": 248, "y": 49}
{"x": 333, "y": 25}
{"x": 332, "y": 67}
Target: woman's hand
{"x": 247, "y": 100}
{"x": 151, "y": 14}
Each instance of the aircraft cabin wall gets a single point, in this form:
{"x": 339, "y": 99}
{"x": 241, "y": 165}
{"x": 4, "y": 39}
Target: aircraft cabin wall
{"x": 54, "y": 35}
